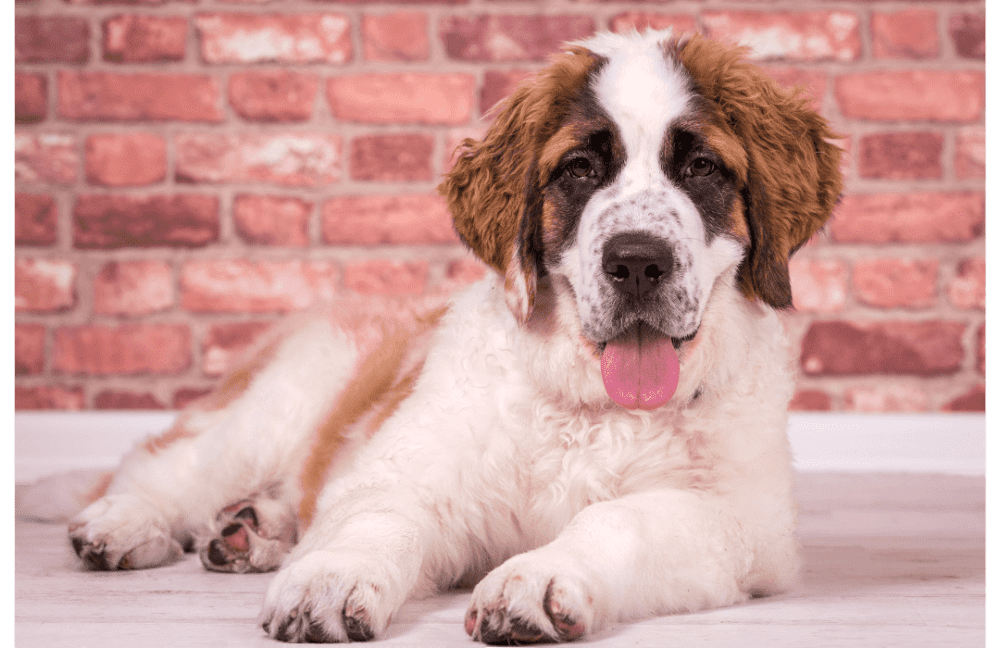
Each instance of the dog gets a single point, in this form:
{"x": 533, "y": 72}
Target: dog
{"x": 594, "y": 432}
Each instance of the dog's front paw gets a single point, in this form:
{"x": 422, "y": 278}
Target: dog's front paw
{"x": 122, "y": 532}
{"x": 328, "y": 597}
{"x": 530, "y": 599}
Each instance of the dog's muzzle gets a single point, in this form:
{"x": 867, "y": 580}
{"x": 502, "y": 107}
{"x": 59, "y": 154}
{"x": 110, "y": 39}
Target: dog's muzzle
{"x": 640, "y": 366}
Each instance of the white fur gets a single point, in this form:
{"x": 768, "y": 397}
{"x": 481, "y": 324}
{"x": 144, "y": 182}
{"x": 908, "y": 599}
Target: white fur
{"x": 509, "y": 466}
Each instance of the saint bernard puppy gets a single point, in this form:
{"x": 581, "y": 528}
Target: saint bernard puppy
{"x": 595, "y": 432}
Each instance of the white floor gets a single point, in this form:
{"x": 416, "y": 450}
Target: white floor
{"x": 891, "y": 560}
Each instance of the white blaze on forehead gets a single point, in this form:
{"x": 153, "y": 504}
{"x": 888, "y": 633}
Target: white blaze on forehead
{"x": 642, "y": 91}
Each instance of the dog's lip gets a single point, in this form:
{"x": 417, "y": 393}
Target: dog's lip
{"x": 678, "y": 342}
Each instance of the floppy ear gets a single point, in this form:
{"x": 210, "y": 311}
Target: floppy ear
{"x": 792, "y": 175}
{"x": 494, "y": 191}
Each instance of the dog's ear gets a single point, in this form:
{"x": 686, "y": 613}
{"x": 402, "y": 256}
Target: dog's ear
{"x": 791, "y": 178}
{"x": 494, "y": 190}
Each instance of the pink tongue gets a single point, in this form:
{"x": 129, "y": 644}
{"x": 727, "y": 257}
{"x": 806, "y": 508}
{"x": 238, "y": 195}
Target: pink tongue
{"x": 640, "y": 368}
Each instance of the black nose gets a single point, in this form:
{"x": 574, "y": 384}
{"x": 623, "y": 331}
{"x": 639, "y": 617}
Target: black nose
{"x": 636, "y": 262}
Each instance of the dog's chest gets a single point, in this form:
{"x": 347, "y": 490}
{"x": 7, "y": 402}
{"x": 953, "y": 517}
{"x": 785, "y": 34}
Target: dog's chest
{"x": 579, "y": 458}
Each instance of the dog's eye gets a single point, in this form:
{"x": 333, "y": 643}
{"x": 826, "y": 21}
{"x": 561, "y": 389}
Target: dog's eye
{"x": 701, "y": 167}
{"x": 580, "y": 167}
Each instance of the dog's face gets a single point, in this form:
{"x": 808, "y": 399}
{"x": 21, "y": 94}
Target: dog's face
{"x": 641, "y": 170}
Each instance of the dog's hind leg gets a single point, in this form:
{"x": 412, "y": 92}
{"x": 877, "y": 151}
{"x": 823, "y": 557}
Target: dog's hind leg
{"x": 245, "y": 441}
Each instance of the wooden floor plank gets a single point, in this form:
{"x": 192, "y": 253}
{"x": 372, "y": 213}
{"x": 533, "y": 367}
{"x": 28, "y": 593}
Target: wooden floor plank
{"x": 889, "y": 560}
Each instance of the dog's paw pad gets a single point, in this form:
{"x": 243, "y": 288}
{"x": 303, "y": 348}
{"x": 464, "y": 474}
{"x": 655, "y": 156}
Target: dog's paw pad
{"x": 243, "y": 544}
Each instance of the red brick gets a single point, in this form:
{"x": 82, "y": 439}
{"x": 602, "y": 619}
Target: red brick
{"x": 912, "y": 95}
{"x": 29, "y": 349}
{"x": 44, "y": 285}
{"x": 34, "y": 219}
{"x": 968, "y": 33}
{"x": 818, "y": 285}
{"x": 51, "y": 39}
{"x": 115, "y": 399}
{"x": 133, "y": 288}
{"x": 225, "y": 344}
{"x": 114, "y": 221}
{"x": 280, "y": 38}
{"x": 901, "y": 156}
{"x": 394, "y": 157}
{"x": 510, "y": 38}
{"x": 101, "y": 96}
{"x": 133, "y": 38}
{"x": 128, "y": 349}
{"x": 295, "y": 159}
{"x": 126, "y": 159}
{"x": 31, "y": 98}
{"x": 892, "y": 283}
{"x": 402, "y": 98}
{"x": 929, "y": 348}
{"x": 272, "y": 220}
{"x": 806, "y": 36}
{"x": 968, "y": 288}
{"x": 641, "y": 20}
{"x": 378, "y": 277}
{"x": 186, "y": 396}
{"x": 498, "y": 84}
{"x": 404, "y": 219}
{"x": 238, "y": 285}
{"x": 932, "y": 217}
{"x": 908, "y": 34}
{"x": 48, "y": 397}
{"x": 970, "y": 153}
{"x": 894, "y": 398}
{"x": 973, "y": 400}
{"x": 45, "y": 157}
{"x": 400, "y": 36}
{"x": 273, "y": 95}
{"x": 466, "y": 271}
{"x": 981, "y": 349}
{"x": 812, "y": 83}
{"x": 810, "y": 400}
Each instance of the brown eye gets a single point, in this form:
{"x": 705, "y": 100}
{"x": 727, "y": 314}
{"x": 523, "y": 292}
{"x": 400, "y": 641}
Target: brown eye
{"x": 580, "y": 168}
{"x": 701, "y": 167}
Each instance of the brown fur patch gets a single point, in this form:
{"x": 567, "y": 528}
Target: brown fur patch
{"x": 382, "y": 381}
{"x": 160, "y": 442}
{"x": 792, "y": 178}
{"x": 100, "y": 487}
{"x": 493, "y": 191}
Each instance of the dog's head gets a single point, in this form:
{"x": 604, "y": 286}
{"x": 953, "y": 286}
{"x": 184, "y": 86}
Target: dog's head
{"x": 641, "y": 168}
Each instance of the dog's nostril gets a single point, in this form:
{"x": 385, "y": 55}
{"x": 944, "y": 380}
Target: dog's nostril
{"x": 653, "y": 272}
{"x": 618, "y": 273}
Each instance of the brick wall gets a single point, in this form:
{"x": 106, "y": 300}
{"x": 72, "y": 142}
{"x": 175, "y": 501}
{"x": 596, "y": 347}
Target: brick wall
{"x": 188, "y": 171}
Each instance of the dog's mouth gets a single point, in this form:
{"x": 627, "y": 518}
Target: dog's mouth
{"x": 640, "y": 367}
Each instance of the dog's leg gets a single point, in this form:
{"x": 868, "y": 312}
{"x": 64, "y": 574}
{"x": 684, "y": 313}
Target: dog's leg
{"x": 247, "y": 440}
{"x": 347, "y": 588}
{"x": 644, "y": 554}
